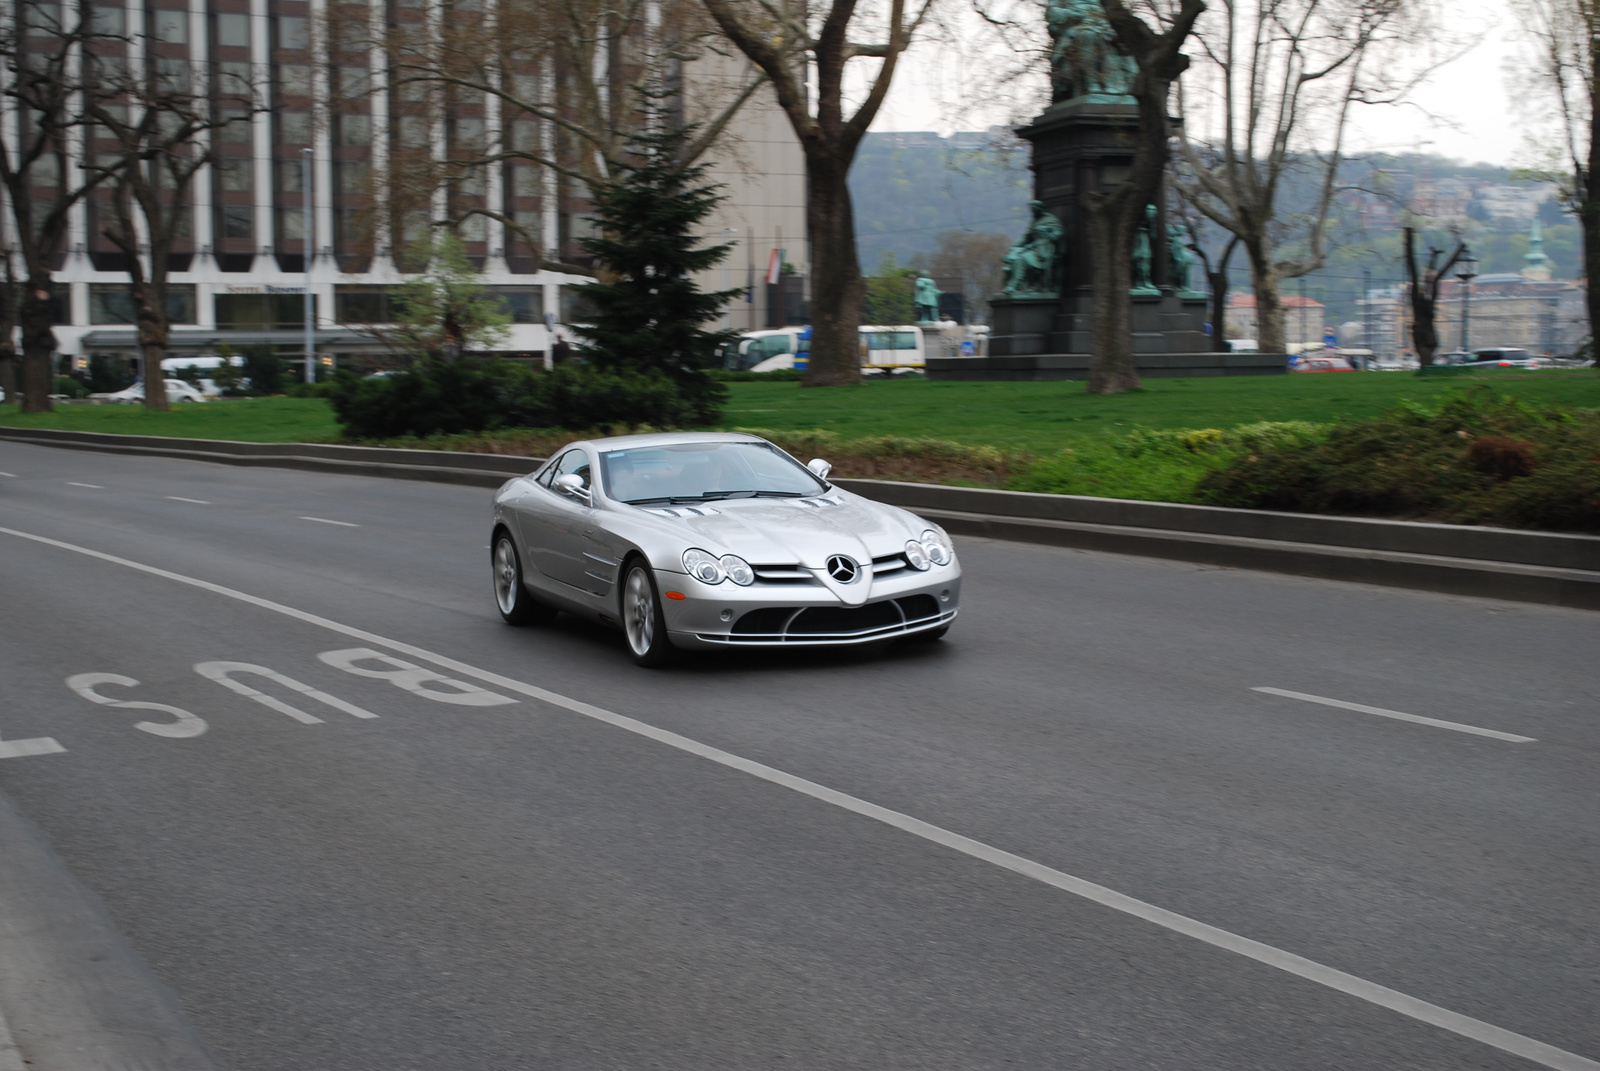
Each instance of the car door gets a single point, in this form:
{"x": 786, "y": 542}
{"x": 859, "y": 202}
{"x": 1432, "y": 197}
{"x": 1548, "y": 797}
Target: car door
{"x": 552, "y": 521}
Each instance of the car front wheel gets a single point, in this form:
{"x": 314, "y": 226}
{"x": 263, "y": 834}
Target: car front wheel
{"x": 642, "y": 619}
{"x": 512, "y": 599}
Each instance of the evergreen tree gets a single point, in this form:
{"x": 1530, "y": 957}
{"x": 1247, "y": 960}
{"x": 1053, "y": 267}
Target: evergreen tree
{"x": 649, "y": 315}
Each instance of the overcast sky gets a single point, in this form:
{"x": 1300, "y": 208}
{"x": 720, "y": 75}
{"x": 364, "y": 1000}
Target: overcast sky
{"x": 1464, "y": 111}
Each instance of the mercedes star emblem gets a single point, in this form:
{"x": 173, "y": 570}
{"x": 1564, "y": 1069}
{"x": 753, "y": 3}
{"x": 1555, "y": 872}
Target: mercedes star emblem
{"x": 842, "y": 569}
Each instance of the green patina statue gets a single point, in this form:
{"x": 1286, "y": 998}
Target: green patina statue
{"x": 1085, "y": 63}
{"x": 1180, "y": 260}
{"x": 927, "y": 299}
{"x": 1031, "y": 264}
{"x": 1142, "y": 255}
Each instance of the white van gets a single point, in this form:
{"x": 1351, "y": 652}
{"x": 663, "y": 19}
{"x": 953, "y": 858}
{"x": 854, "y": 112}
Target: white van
{"x": 883, "y": 349}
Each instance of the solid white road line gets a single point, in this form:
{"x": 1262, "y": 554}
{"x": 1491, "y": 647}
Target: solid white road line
{"x": 39, "y": 745}
{"x": 93, "y": 486}
{"x": 1456, "y": 726}
{"x": 195, "y": 501}
{"x": 324, "y": 520}
{"x": 1349, "y": 984}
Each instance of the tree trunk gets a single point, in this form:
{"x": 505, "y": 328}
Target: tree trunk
{"x": 8, "y": 371}
{"x": 1113, "y": 367}
{"x": 837, "y": 288}
{"x": 1270, "y": 334}
{"x": 38, "y": 344}
{"x": 152, "y": 344}
{"x": 1589, "y": 217}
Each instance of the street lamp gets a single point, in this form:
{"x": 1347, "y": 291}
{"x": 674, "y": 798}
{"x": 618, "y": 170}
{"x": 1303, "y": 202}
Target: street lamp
{"x": 1466, "y": 271}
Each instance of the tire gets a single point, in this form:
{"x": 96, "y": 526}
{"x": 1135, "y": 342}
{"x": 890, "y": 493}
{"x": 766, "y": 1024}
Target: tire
{"x": 510, "y": 597}
{"x": 643, "y": 622}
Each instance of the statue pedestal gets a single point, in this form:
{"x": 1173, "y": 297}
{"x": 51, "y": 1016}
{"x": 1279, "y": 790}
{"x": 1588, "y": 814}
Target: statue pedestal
{"x": 1080, "y": 147}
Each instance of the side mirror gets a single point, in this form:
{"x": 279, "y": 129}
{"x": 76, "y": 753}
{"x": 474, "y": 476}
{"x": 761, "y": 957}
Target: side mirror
{"x": 572, "y": 484}
{"x": 819, "y": 468}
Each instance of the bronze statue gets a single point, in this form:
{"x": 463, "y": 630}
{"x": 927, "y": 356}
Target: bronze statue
{"x": 1180, "y": 260}
{"x": 927, "y": 299}
{"x": 1143, "y": 254}
{"x": 1084, "y": 61}
{"x": 1031, "y": 264}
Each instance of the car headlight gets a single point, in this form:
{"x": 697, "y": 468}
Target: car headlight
{"x": 916, "y": 555}
{"x": 938, "y": 547}
{"x": 702, "y": 566}
{"x": 737, "y": 569}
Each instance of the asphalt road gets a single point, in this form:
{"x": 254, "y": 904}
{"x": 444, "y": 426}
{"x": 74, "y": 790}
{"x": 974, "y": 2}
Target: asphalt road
{"x": 487, "y": 875}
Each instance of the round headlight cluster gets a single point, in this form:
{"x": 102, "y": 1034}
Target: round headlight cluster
{"x": 932, "y": 549}
{"x": 708, "y": 569}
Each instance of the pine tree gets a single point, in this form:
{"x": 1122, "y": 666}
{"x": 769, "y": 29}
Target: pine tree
{"x": 649, "y": 315}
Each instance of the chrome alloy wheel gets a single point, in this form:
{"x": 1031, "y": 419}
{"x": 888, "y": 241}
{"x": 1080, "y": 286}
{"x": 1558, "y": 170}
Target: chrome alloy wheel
{"x": 507, "y": 576}
{"x": 639, "y": 612}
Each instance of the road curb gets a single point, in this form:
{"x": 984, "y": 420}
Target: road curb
{"x": 1555, "y": 569}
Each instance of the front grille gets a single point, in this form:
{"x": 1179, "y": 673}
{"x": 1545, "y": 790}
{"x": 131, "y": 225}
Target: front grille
{"x": 796, "y": 624}
{"x": 782, "y": 574}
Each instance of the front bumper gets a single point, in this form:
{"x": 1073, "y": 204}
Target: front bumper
{"x": 807, "y": 614}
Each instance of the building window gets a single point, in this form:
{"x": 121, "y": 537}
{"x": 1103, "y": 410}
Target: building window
{"x": 113, "y": 304}
{"x": 234, "y": 78}
{"x": 236, "y": 128}
{"x": 291, "y": 176}
{"x": 362, "y": 305}
{"x": 413, "y": 132}
{"x": 294, "y": 128}
{"x": 354, "y": 178}
{"x": 576, "y": 308}
{"x": 233, "y": 31}
{"x": 294, "y": 80}
{"x": 356, "y": 129}
{"x": 354, "y": 82}
{"x": 172, "y": 27}
{"x": 293, "y": 32}
{"x": 259, "y": 312}
{"x": 237, "y": 175}
{"x": 524, "y": 306}
{"x": 293, "y": 222}
{"x": 238, "y": 221}
{"x": 107, "y": 20}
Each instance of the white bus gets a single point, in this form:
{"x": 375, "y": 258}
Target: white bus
{"x": 883, "y": 349}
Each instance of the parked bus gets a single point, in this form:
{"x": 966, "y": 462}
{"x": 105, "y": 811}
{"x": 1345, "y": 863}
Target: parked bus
{"x": 883, "y": 349}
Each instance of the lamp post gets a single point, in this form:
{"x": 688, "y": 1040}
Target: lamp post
{"x": 310, "y": 301}
{"x": 1466, "y": 271}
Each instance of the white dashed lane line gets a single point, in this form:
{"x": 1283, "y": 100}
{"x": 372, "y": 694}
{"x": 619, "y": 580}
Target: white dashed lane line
{"x": 1454, "y": 726}
{"x": 9, "y": 475}
{"x": 1268, "y": 955}
{"x": 324, "y": 520}
{"x": 91, "y": 486}
{"x": 195, "y": 501}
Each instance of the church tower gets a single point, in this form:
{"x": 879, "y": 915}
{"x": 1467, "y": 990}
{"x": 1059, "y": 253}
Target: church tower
{"x": 1538, "y": 264}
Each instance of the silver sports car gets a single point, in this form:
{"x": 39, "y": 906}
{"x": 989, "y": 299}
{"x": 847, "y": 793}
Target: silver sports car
{"x": 707, "y": 540}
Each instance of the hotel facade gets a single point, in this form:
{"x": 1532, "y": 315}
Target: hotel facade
{"x": 238, "y": 270}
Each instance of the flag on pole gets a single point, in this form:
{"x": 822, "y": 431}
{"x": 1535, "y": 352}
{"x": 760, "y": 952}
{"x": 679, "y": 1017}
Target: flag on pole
{"x": 774, "y": 265}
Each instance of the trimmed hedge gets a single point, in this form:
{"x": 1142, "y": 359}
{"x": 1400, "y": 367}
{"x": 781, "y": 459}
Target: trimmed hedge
{"x": 1476, "y": 458}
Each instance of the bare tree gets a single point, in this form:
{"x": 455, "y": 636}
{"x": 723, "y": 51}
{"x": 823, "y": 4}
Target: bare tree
{"x": 1423, "y": 290}
{"x": 1115, "y": 216}
{"x": 787, "y": 40}
{"x": 973, "y": 257}
{"x": 1216, "y": 274}
{"x": 1566, "y": 60}
{"x": 41, "y": 52}
{"x": 560, "y": 74}
{"x": 1280, "y": 80}
{"x": 160, "y": 119}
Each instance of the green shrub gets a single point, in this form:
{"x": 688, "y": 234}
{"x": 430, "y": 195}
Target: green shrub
{"x": 467, "y": 396}
{"x": 71, "y": 387}
{"x": 1154, "y": 466}
{"x": 1474, "y": 458}
{"x": 781, "y": 375}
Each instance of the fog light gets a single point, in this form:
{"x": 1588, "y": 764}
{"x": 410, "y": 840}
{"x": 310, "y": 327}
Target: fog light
{"x": 727, "y": 615}
{"x": 944, "y": 596}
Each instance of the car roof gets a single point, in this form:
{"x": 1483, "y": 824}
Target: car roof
{"x": 674, "y": 438}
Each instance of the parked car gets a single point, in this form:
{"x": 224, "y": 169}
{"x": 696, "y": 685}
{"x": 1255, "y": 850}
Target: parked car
{"x": 714, "y": 540}
{"x": 1322, "y": 363}
{"x": 177, "y": 391}
{"x": 1499, "y": 358}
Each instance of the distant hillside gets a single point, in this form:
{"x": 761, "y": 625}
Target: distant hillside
{"x": 907, "y": 187}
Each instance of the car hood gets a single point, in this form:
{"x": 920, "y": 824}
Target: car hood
{"x": 803, "y": 531}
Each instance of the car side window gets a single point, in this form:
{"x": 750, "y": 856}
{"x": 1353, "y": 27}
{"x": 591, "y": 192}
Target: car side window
{"x": 573, "y": 461}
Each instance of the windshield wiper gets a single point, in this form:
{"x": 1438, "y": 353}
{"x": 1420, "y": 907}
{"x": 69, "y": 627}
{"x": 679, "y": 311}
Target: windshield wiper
{"x": 783, "y": 494}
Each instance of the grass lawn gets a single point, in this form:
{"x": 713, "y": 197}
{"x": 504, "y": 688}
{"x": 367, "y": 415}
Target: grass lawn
{"x": 1034, "y": 417}
{"x": 256, "y": 420}
{"x": 1045, "y": 417}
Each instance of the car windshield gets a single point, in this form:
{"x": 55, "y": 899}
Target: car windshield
{"x": 701, "y": 472}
